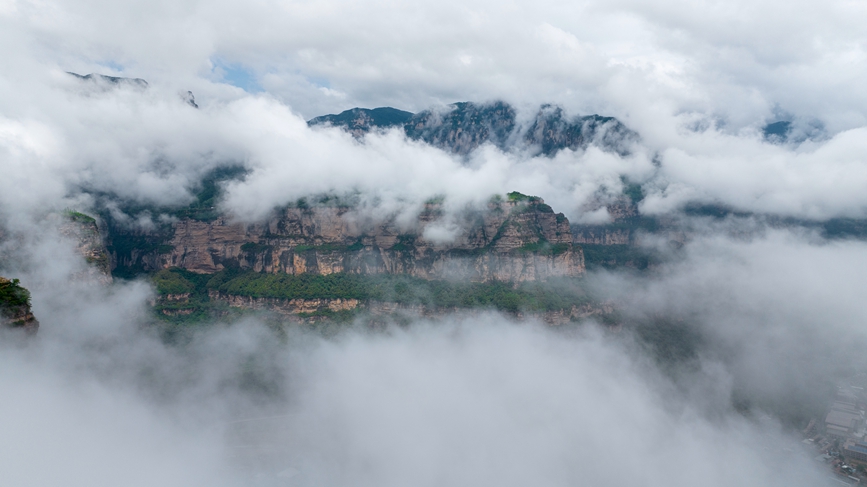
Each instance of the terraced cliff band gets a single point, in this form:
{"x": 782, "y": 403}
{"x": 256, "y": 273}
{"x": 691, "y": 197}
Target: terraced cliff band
{"x": 517, "y": 239}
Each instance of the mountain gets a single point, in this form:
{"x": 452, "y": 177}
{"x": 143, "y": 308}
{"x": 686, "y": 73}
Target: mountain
{"x": 103, "y": 80}
{"x": 359, "y": 121}
{"x": 515, "y": 239}
{"x": 462, "y": 127}
{"x": 322, "y": 256}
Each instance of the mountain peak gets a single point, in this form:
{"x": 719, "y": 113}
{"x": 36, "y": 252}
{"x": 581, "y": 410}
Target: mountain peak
{"x": 462, "y": 127}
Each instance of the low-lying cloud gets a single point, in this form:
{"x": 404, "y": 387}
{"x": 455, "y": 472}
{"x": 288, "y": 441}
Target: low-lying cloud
{"x": 99, "y": 397}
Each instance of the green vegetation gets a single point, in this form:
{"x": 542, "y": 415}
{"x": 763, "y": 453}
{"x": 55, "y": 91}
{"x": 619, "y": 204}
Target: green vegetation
{"x": 168, "y": 282}
{"x": 204, "y": 208}
{"x": 405, "y": 290}
{"x": 356, "y": 246}
{"x": 12, "y": 295}
{"x": 404, "y": 242}
{"x": 555, "y": 295}
{"x": 515, "y": 196}
{"x": 77, "y": 216}
{"x": 254, "y": 248}
{"x": 543, "y": 247}
{"x": 633, "y": 190}
{"x": 670, "y": 341}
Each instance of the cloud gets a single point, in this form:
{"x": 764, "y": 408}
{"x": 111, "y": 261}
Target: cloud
{"x": 471, "y": 400}
{"x": 779, "y": 309}
{"x": 476, "y": 400}
{"x": 664, "y": 68}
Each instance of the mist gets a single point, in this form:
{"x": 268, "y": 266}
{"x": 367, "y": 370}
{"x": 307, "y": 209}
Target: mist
{"x": 712, "y": 362}
{"x": 100, "y": 397}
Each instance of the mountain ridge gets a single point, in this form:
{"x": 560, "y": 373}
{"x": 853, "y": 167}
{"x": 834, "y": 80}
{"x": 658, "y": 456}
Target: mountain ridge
{"x": 462, "y": 127}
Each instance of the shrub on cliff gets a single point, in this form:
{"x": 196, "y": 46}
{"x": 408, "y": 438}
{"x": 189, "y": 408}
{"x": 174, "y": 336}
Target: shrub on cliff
{"x": 168, "y": 282}
{"x": 12, "y": 295}
{"x": 406, "y": 290}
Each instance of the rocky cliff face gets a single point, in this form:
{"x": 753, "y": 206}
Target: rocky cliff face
{"x": 83, "y": 230}
{"x": 602, "y": 235}
{"x": 15, "y": 307}
{"x": 462, "y": 127}
{"x": 520, "y": 239}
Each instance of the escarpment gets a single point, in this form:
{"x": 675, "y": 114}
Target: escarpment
{"x": 83, "y": 231}
{"x": 515, "y": 239}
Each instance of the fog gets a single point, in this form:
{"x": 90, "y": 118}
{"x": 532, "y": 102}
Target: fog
{"x": 773, "y": 317}
{"x": 99, "y": 396}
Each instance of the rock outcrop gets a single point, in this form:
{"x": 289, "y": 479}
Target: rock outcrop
{"x": 83, "y": 230}
{"x": 359, "y": 121}
{"x": 15, "y": 307}
{"x": 463, "y": 127}
{"x": 105, "y": 82}
{"x": 518, "y": 239}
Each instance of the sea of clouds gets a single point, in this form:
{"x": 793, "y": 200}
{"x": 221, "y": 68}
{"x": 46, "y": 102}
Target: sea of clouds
{"x": 98, "y": 398}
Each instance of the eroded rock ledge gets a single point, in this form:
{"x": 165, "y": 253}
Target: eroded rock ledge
{"x": 516, "y": 239}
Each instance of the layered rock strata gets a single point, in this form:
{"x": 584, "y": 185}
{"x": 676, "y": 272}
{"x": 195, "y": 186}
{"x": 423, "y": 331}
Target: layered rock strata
{"x": 84, "y": 232}
{"x": 520, "y": 239}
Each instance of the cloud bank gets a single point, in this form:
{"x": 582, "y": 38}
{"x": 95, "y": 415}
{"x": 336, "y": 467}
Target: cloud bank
{"x": 696, "y": 81}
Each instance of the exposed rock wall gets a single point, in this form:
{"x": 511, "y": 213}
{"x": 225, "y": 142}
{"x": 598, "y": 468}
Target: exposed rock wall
{"x": 519, "y": 240}
{"x": 84, "y": 231}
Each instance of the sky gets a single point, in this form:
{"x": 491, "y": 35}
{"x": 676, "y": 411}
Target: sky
{"x": 99, "y": 399}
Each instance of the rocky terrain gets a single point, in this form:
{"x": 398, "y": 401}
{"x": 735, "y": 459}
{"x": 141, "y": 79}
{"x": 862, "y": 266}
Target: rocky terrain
{"x": 515, "y": 239}
{"x": 104, "y": 82}
{"x": 463, "y": 127}
{"x": 84, "y": 231}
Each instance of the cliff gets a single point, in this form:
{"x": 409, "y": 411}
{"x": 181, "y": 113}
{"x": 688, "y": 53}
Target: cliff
{"x": 517, "y": 239}
{"x": 15, "y": 307}
{"x": 84, "y": 232}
